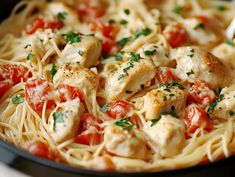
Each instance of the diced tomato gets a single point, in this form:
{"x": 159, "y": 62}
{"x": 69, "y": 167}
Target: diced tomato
{"x": 39, "y": 91}
{"x": 109, "y": 47}
{"x": 118, "y": 109}
{"x": 56, "y": 24}
{"x": 176, "y": 35}
{"x": 11, "y": 75}
{"x": 4, "y": 87}
{"x": 40, "y": 23}
{"x": 196, "y": 117}
{"x": 40, "y": 149}
{"x": 89, "y": 139}
{"x": 37, "y": 24}
{"x": 14, "y": 73}
{"x": 87, "y": 12}
{"x": 164, "y": 76}
{"x": 67, "y": 92}
{"x": 201, "y": 93}
{"x": 94, "y": 138}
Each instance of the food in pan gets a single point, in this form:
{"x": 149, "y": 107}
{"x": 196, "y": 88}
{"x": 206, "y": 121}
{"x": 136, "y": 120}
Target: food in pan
{"x": 119, "y": 85}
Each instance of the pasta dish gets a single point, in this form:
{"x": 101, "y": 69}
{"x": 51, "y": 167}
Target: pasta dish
{"x": 119, "y": 85}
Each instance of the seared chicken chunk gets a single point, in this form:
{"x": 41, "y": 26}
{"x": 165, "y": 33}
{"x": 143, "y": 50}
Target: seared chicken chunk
{"x": 195, "y": 64}
{"x": 86, "y": 52}
{"x": 129, "y": 78}
{"x": 125, "y": 143}
{"x": 158, "y": 53}
{"x": 166, "y": 135}
{"x": 162, "y": 100}
{"x": 77, "y": 76}
{"x": 225, "y": 104}
{"x": 64, "y": 121}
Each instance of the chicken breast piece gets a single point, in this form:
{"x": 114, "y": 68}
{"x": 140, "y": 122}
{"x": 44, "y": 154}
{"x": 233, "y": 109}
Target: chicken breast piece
{"x": 159, "y": 54}
{"x": 125, "y": 143}
{"x": 225, "y": 106}
{"x": 167, "y": 135}
{"x": 164, "y": 100}
{"x": 64, "y": 121}
{"x": 87, "y": 52}
{"x": 195, "y": 64}
{"x": 129, "y": 78}
{"x": 77, "y": 76}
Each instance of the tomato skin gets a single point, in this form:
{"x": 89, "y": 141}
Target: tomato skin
{"x": 109, "y": 47}
{"x": 201, "y": 93}
{"x": 176, "y": 35}
{"x": 195, "y": 117}
{"x": 118, "y": 109}
{"x": 203, "y": 19}
{"x": 37, "y": 92}
{"x": 40, "y": 149}
{"x": 89, "y": 121}
{"x": 4, "y": 87}
{"x": 164, "y": 76}
{"x": 72, "y": 91}
{"x": 56, "y": 24}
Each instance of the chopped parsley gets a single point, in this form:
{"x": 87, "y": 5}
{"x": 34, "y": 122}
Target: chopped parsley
{"x": 127, "y": 11}
{"x": 190, "y": 72}
{"x": 125, "y": 123}
{"x": 144, "y": 32}
{"x": 61, "y": 15}
{"x": 28, "y": 45}
{"x": 128, "y": 91}
{"x": 121, "y": 76}
{"x": 72, "y": 37}
{"x": 123, "y": 22}
{"x": 18, "y": 99}
{"x": 154, "y": 121}
{"x": 231, "y": 113}
{"x": 213, "y": 105}
{"x": 164, "y": 98}
{"x": 53, "y": 70}
{"x": 111, "y": 21}
{"x": 129, "y": 66}
{"x": 123, "y": 41}
{"x": 199, "y": 26}
{"x": 57, "y": 117}
{"x": 220, "y": 8}
{"x": 178, "y": 10}
{"x": 172, "y": 112}
{"x": 118, "y": 56}
{"x": 134, "y": 57}
{"x": 173, "y": 83}
{"x": 105, "y": 108}
{"x": 142, "y": 86}
{"x": 30, "y": 56}
{"x": 159, "y": 23}
{"x": 191, "y": 54}
{"x": 230, "y": 42}
{"x": 150, "y": 52}
{"x": 81, "y": 53}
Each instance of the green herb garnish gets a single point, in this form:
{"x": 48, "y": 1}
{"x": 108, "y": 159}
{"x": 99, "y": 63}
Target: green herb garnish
{"x": 154, "y": 121}
{"x": 123, "y": 22}
{"x": 57, "y": 117}
{"x": 144, "y": 32}
{"x": 230, "y": 42}
{"x": 30, "y": 56}
{"x": 81, "y": 53}
{"x": 127, "y": 11}
{"x": 150, "y": 52}
{"x": 199, "y": 25}
{"x": 125, "y": 123}
{"x": 214, "y": 104}
{"x": 178, "y": 10}
{"x": 190, "y": 72}
{"x": 53, "y": 70}
{"x": 173, "y": 83}
{"x": 72, "y": 37}
{"x": 105, "y": 108}
{"x": 134, "y": 57}
{"x": 61, "y": 15}
{"x": 128, "y": 91}
{"x": 221, "y": 8}
{"x": 121, "y": 76}
{"x": 231, "y": 113}
{"x": 18, "y": 99}
{"x": 123, "y": 41}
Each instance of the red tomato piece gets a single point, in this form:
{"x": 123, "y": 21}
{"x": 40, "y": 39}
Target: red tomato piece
{"x": 196, "y": 117}
{"x": 118, "y": 109}
{"x": 164, "y": 76}
{"x": 37, "y": 24}
{"x": 201, "y": 93}
{"x": 109, "y": 47}
{"x": 203, "y": 19}
{"x": 39, "y": 91}
{"x": 87, "y": 12}
{"x": 89, "y": 139}
{"x": 94, "y": 138}
{"x": 4, "y": 87}
{"x": 14, "y": 73}
{"x": 176, "y": 35}
{"x": 56, "y": 24}
{"x": 40, "y": 149}
{"x": 67, "y": 92}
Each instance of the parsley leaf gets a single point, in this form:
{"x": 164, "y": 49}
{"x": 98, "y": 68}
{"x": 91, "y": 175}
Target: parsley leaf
{"x": 123, "y": 41}
{"x": 128, "y": 91}
{"x": 150, "y": 52}
{"x": 199, "y": 25}
{"x": 30, "y": 56}
{"x": 178, "y": 10}
{"x": 154, "y": 121}
{"x": 104, "y": 108}
{"x": 135, "y": 57}
{"x": 230, "y": 42}
{"x": 57, "y": 117}
{"x": 72, "y": 37}
{"x": 118, "y": 56}
{"x": 144, "y": 32}
{"x": 18, "y": 99}
{"x": 173, "y": 83}
{"x": 172, "y": 112}
{"x": 61, "y": 15}
{"x": 53, "y": 70}
{"x": 190, "y": 72}
{"x": 127, "y": 11}
{"x": 123, "y": 22}
{"x": 221, "y": 8}
{"x": 81, "y": 53}
{"x": 214, "y": 104}
{"x": 231, "y": 113}
{"x": 125, "y": 123}
{"x": 111, "y": 21}
{"x": 121, "y": 76}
